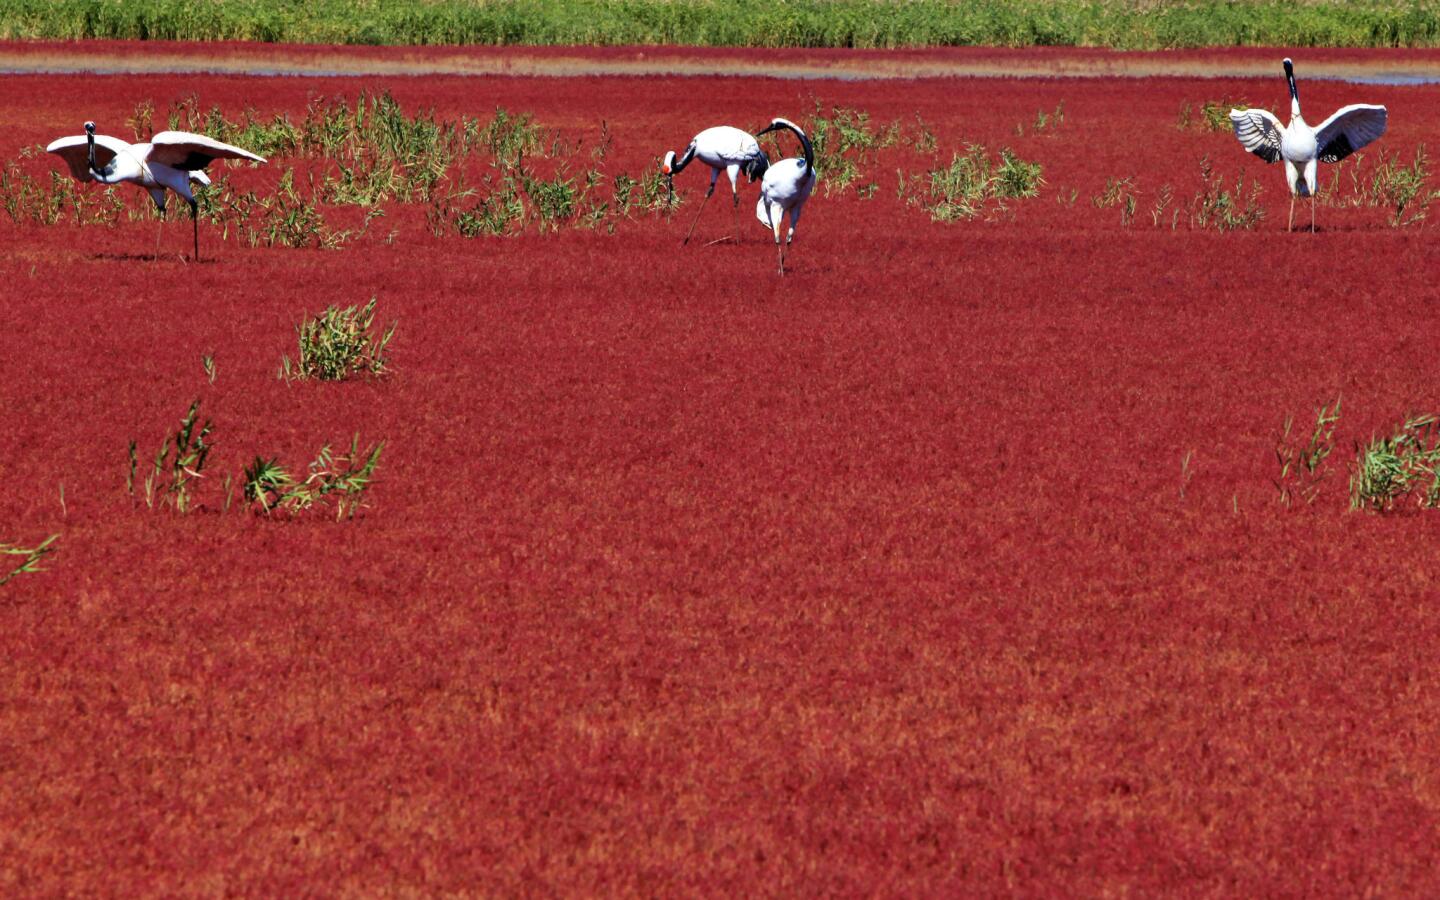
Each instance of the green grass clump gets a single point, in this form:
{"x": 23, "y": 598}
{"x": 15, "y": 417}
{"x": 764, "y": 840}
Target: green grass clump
{"x": 972, "y": 182}
{"x": 1401, "y": 189}
{"x": 339, "y": 343}
{"x": 1126, "y": 24}
{"x": 844, "y": 141}
{"x": 1213, "y": 206}
{"x": 338, "y": 478}
{"x": 1406, "y": 463}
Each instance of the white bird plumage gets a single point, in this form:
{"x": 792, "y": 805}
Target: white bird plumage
{"x": 1302, "y": 147}
{"x": 721, "y": 148}
{"x": 785, "y": 188}
{"x": 171, "y": 160}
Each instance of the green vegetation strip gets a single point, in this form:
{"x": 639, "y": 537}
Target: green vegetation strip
{"x": 1126, "y": 24}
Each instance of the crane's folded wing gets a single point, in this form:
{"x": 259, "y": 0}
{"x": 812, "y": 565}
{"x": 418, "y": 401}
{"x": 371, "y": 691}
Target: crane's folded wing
{"x": 184, "y": 150}
{"x": 1351, "y": 128}
{"x": 75, "y": 150}
{"x": 1259, "y": 132}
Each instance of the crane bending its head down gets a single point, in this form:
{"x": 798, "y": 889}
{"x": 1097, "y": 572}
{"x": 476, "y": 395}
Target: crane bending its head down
{"x": 1302, "y": 147}
{"x": 722, "y": 148}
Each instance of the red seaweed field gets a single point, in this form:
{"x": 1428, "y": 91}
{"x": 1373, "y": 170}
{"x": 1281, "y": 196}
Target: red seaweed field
{"x": 955, "y": 561}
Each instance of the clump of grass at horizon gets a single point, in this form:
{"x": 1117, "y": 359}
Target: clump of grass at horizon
{"x": 1213, "y": 115}
{"x": 1045, "y": 122}
{"x": 338, "y": 343}
{"x": 1122, "y": 24}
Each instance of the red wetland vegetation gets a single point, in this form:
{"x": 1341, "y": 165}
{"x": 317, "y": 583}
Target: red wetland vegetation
{"x": 958, "y": 560}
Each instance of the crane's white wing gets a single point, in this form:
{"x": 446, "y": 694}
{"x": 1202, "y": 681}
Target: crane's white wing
{"x": 75, "y": 150}
{"x": 1259, "y": 132}
{"x": 1351, "y": 128}
{"x": 183, "y": 150}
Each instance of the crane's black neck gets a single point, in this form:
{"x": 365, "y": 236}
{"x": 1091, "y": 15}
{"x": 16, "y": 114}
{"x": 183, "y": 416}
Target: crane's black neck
{"x": 806, "y": 147}
{"x": 1290, "y": 77}
{"x": 683, "y": 159}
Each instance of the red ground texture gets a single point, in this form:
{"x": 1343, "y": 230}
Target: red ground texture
{"x": 683, "y": 578}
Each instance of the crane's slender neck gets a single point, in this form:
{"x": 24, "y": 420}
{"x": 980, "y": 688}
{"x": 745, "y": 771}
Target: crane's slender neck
{"x": 1294, "y": 96}
{"x": 97, "y": 173}
{"x": 683, "y": 159}
{"x": 805, "y": 144}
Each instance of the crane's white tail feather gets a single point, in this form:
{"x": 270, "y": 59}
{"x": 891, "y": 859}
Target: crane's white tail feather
{"x": 762, "y": 212}
{"x": 1351, "y": 128}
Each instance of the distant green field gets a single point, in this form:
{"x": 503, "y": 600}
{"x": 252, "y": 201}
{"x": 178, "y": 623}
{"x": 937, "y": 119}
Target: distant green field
{"x": 1129, "y": 24}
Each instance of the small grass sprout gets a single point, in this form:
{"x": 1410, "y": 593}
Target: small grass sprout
{"x": 1300, "y": 466}
{"x": 172, "y": 479}
{"x": 1118, "y": 192}
{"x": 339, "y": 343}
{"x": 30, "y": 558}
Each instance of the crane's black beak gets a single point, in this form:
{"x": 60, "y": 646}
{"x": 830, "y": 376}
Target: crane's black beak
{"x": 767, "y": 129}
{"x": 669, "y": 190}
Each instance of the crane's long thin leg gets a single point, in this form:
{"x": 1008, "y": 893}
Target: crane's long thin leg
{"x": 779, "y": 244}
{"x": 695, "y": 220}
{"x": 195, "y": 221}
{"x": 1290, "y": 226}
{"x": 733, "y": 173}
{"x": 159, "y": 233}
{"x": 735, "y": 192}
{"x": 1312, "y": 213}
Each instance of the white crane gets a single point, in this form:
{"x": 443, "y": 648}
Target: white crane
{"x": 171, "y": 160}
{"x": 1301, "y": 146}
{"x": 785, "y": 188}
{"x": 721, "y": 147}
